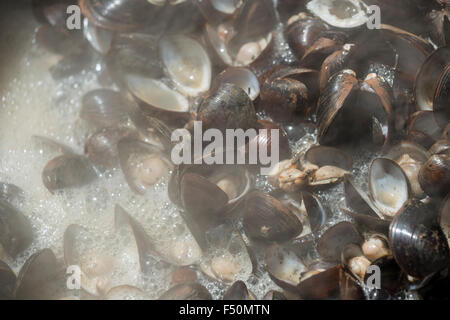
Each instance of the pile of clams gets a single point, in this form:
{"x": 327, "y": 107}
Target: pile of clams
{"x": 369, "y": 191}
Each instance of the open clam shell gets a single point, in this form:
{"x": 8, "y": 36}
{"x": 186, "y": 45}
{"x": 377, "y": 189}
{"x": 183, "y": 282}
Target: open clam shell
{"x": 333, "y": 241}
{"x": 242, "y": 77}
{"x": 341, "y": 14}
{"x": 389, "y": 186}
{"x": 102, "y": 258}
{"x": 410, "y": 157}
{"x": 156, "y": 97}
{"x": 187, "y": 63}
{"x": 285, "y": 266}
{"x": 143, "y": 164}
{"x": 227, "y": 258}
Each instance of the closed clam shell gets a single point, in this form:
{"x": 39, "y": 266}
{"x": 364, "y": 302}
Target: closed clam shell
{"x": 417, "y": 241}
{"x": 434, "y": 176}
{"x": 38, "y": 277}
{"x": 267, "y": 219}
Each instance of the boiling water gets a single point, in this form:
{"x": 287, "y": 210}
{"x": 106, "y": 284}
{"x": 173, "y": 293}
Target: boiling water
{"x": 32, "y": 103}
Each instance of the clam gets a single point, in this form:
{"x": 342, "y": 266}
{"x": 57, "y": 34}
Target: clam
{"x": 358, "y": 200}
{"x": 229, "y": 107}
{"x": 423, "y": 129}
{"x": 101, "y": 147}
{"x": 317, "y": 213}
{"x": 333, "y": 241}
{"x": 341, "y": 14}
{"x": 434, "y": 176}
{"x": 267, "y": 219}
{"x": 428, "y": 77}
{"x": 39, "y": 278}
{"x": 320, "y": 282}
{"x": 284, "y": 265}
{"x": 99, "y": 38}
{"x": 346, "y": 100}
{"x": 391, "y": 277}
{"x": 243, "y": 39}
{"x": 208, "y": 194}
{"x": 354, "y": 261}
{"x": 442, "y": 98}
{"x": 227, "y": 258}
{"x": 389, "y": 186}
{"x": 410, "y": 157}
{"x": 7, "y": 281}
{"x": 187, "y": 291}
{"x": 333, "y": 165}
{"x": 67, "y": 171}
{"x": 157, "y": 98}
{"x": 242, "y": 77}
{"x": 440, "y": 26}
{"x": 440, "y": 147}
{"x": 302, "y": 31}
{"x": 187, "y": 64}
{"x": 284, "y": 93}
{"x": 325, "y": 45}
{"x": 15, "y": 230}
{"x": 104, "y": 107}
{"x": 334, "y": 63}
{"x": 375, "y": 246}
{"x": 134, "y": 54}
{"x": 417, "y": 241}
{"x": 100, "y": 258}
{"x": 238, "y": 291}
{"x": 412, "y": 49}
{"x": 143, "y": 164}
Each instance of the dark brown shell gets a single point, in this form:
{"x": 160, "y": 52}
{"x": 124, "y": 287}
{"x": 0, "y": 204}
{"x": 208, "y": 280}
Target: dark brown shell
{"x": 266, "y": 219}
{"x": 434, "y": 176}
{"x": 333, "y": 241}
{"x": 7, "y": 281}
{"x": 302, "y": 33}
{"x": 227, "y": 108}
{"x": 67, "y": 171}
{"x": 16, "y": 233}
{"x": 39, "y": 277}
{"x": 417, "y": 241}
